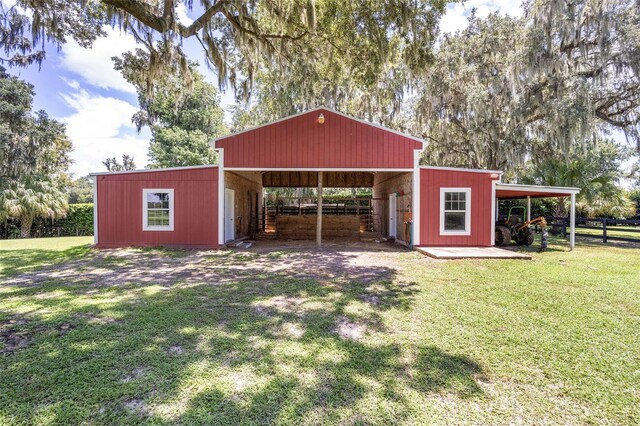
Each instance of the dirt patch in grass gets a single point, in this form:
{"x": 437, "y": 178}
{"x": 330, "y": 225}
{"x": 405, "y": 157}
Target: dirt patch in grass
{"x": 12, "y": 341}
{"x": 12, "y": 336}
{"x": 135, "y": 374}
{"x": 350, "y": 330}
{"x": 176, "y": 350}
{"x": 136, "y": 405}
{"x": 97, "y": 319}
{"x": 121, "y": 267}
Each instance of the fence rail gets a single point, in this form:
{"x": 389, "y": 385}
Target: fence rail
{"x": 605, "y": 225}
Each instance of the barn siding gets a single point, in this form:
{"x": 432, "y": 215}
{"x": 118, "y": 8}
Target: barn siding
{"x": 431, "y": 180}
{"x": 195, "y": 208}
{"x": 300, "y": 142}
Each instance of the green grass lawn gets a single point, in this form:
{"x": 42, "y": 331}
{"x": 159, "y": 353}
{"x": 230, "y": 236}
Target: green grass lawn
{"x": 331, "y": 337}
{"x": 20, "y": 255}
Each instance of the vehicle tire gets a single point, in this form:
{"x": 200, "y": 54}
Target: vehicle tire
{"x": 530, "y": 238}
{"x": 524, "y": 237}
{"x": 503, "y": 235}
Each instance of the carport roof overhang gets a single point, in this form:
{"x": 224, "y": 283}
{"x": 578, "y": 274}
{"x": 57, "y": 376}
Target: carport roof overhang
{"x": 512, "y": 191}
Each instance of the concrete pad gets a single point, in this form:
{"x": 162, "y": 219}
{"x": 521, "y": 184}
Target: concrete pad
{"x": 471, "y": 253}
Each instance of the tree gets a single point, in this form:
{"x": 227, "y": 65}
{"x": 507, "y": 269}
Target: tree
{"x": 183, "y": 117}
{"x": 235, "y": 35}
{"x": 30, "y": 198}
{"x": 34, "y": 155}
{"x": 505, "y": 90}
{"x": 466, "y": 103}
{"x": 634, "y": 196}
{"x": 26, "y": 25}
{"x": 80, "y": 190}
{"x": 594, "y": 169}
{"x": 28, "y": 144}
{"x": 578, "y": 68}
{"x": 112, "y": 164}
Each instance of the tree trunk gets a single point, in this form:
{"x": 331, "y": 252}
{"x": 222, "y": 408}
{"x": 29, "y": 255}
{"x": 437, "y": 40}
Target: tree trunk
{"x": 561, "y": 208}
{"x": 25, "y": 226}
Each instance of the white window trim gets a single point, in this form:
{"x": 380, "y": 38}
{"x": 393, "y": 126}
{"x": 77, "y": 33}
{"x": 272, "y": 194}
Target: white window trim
{"x": 146, "y": 227}
{"x": 467, "y": 224}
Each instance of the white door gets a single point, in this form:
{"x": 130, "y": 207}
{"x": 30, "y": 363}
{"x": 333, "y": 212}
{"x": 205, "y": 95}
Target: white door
{"x": 229, "y": 215}
{"x": 392, "y": 215}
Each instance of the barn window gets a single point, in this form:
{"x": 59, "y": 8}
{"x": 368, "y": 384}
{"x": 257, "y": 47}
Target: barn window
{"x": 455, "y": 211}
{"x": 157, "y": 209}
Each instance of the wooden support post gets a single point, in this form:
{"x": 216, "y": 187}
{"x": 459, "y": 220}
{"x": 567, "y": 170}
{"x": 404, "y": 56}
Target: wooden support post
{"x": 572, "y": 235}
{"x": 528, "y": 208}
{"x": 604, "y": 230}
{"x": 319, "y": 212}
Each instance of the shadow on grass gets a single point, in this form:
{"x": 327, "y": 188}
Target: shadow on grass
{"x": 307, "y": 341}
{"x": 13, "y": 262}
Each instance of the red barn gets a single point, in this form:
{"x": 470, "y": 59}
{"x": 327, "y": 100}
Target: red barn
{"x": 208, "y": 206}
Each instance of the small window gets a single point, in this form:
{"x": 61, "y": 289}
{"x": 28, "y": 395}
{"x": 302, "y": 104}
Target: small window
{"x": 455, "y": 211}
{"x": 157, "y": 209}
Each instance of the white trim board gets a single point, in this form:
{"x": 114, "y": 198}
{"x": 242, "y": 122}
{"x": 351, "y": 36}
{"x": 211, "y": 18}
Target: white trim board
{"x": 221, "y": 186}
{"x": 462, "y": 169}
{"x": 467, "y": 211}
{"x": 422, "y": 141}
{"x": 95, "y": 209}
{"x": 168, "y": 169}
{"x": 537, "y": 188}
{"x": 415, "y": 199}
{"x": 311, "y": 169}
{"x": 494, "y": 212}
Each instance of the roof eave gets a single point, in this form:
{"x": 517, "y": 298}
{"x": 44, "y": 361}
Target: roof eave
{"x": 167, "y": 169}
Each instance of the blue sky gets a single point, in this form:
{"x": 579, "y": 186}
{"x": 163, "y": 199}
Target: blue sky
{"x": 80, "y": 88}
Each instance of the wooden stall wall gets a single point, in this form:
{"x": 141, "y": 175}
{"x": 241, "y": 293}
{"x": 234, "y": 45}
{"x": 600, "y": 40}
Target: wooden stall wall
{"x": 248, "y": 200}
{"x": 195, "y": 208}
{"x": 383, "y": 185}
{"x": 431, "y": 180}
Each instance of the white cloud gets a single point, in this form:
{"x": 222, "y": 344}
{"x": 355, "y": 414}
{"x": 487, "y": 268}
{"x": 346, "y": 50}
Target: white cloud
{"x": 94, "y": 65}
{"x": 181, "y": 14}
{"x": 101, "y": 128}
{"x": 74, "y": 84}
{"x": 456, "y": 14}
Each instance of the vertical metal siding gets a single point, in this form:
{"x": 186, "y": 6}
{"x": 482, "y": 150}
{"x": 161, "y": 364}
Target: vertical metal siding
{"x": 195, "y": 208}
{"x": 481, "y": 198}
{"x": 301, "y": 142}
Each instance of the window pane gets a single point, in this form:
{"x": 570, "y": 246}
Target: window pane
{"x": 158, "y": 218}
{"x": 462, "y": 196}
{"x": 447, "y": 205}
{"x": 454, "y": 221}
{"x": 158, "y": 200}
{"x": 454, "y": 196}
{"x": 447, "y": 196}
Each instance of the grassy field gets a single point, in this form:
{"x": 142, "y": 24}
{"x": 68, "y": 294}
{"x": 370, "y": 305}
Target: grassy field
{"x": 330, "y": 337}
{"x": 612, "y": 231}
{"x": 21, "y": 255}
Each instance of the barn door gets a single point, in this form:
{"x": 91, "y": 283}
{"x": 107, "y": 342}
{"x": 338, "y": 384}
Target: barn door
{"x": 229, "y": 215}
{"x": 392, "y": 215}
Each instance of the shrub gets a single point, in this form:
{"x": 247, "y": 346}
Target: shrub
{"x": 78, "y": 221}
